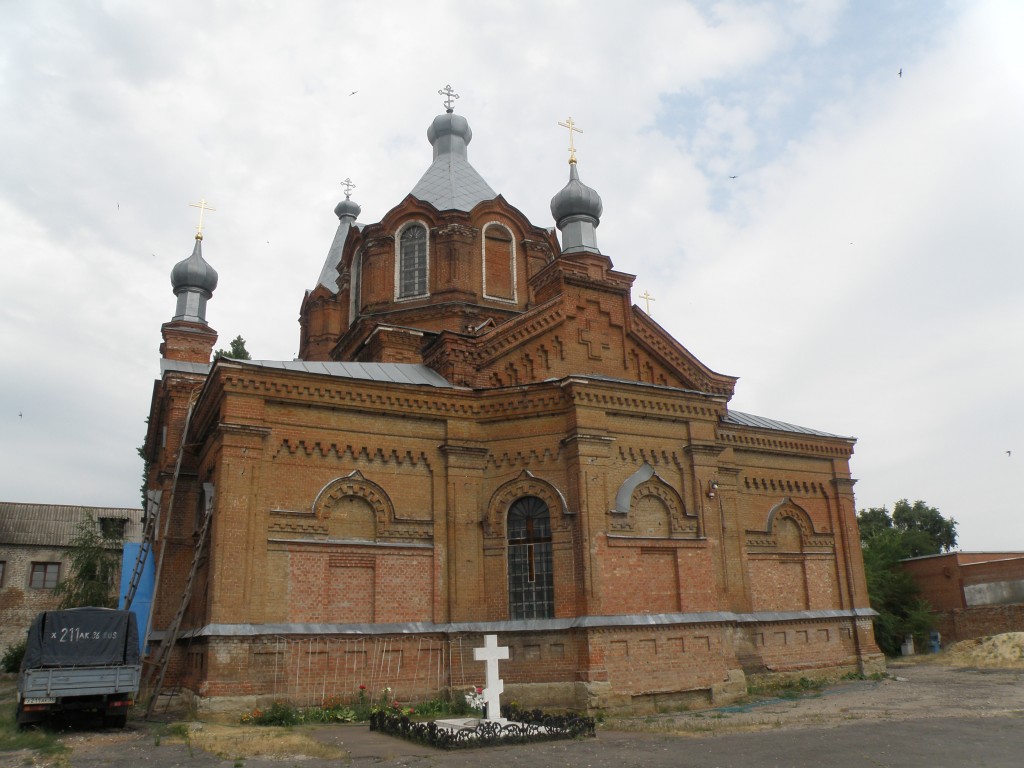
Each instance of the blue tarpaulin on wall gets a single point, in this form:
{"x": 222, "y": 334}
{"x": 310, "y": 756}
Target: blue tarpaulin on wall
{"x": 144, "y": 594}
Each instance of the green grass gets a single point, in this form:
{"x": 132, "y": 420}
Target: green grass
{"x": 38, "y": 738}
{"x": 788, "y": 689}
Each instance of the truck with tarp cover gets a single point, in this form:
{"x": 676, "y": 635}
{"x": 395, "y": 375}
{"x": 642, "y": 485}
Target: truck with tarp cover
{"x": 80, "y": 659}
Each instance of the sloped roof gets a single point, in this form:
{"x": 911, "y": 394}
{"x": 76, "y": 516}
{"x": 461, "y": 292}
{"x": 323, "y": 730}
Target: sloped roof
{"x": 55, "y": 525}
{"x": 760, "y": 422}
{"x": 452, "y": 183}
{"x": 393, "y": 373}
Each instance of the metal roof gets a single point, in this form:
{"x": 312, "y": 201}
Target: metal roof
{"x": 759, "y": 422}
{"x": 183, "y": 366}
{"x": 55, "y": 525}
{"x": 393, "y": 373}
{"x": 451, "y": 182}
{"x": 329, "y": 273}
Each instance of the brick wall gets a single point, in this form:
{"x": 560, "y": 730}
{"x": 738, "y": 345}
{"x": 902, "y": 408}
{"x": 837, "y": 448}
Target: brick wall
{"x": 19, "y": 603}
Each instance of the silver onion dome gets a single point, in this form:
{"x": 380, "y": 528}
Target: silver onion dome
{"x": 194, "y": 282}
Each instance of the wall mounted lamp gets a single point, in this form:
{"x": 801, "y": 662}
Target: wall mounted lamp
{"x": 712, "y": 489}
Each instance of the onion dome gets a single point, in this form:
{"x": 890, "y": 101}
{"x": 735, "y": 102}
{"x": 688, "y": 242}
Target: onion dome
{"x": 577, "y": 212}
{"x": 347, "y": 208}
{"x": 347, "y": 212}
{"x": 194, "y": 282}
{"x": 451, "y": 183}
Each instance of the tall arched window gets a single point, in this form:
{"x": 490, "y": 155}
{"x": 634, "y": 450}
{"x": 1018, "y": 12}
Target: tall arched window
{"x": 531, "y": 583}
{"x": 499, "y": 263}
{"x": 412, "y": 262}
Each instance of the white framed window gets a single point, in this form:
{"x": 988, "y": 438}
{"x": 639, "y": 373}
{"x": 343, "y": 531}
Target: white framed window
{"x": 498, "y": 251}
{"x": 411, "y": 261}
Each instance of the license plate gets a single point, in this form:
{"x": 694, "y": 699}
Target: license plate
{"x": 39, "y": 700}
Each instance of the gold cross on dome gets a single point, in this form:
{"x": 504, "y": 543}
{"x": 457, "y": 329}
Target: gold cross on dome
{"x": 450, "y": 96}
{"x": 572, "y": 129}
{"x": 646, "y": 296}
{"x": 348, "y": 185}
{"x": 203, "y": 206}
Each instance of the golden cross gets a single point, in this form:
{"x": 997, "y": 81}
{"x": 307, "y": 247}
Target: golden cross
{"x": 646, "y": 296}
{"x": 449, "y": 95}
{"x": 349, "y": 185}
{"x": 203, "y": 206}
{"x": 572, "y": 129}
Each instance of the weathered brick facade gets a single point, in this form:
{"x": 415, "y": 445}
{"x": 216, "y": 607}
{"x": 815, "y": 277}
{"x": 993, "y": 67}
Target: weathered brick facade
{"x": 361, "y": 504}
{"x": 41, "y": 535}
{"x": 973, "y": 593}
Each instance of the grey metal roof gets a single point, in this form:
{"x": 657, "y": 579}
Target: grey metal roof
{"x": 329, "y": 274}
{"x": 451, "y": 182}
{"x": 394, "y": 373}
{"x": 55, "y": 525}
{"x": 525, "y": 625}
{"x": 748, "y": 420}
{"x": 182, "y": 366}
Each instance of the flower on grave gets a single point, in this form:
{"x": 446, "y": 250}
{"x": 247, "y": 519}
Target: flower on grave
{"x": 362, "y": 687}
{"x": 475, "y": 698}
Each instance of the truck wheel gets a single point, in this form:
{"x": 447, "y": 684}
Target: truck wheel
{"x": 115, "y": 721}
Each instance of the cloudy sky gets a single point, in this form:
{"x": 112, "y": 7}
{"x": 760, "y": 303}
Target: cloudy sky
{"x": 844, "y": 239}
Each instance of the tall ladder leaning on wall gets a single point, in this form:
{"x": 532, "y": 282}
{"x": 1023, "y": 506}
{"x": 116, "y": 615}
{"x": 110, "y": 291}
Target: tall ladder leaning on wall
{"x": 152, "y": 526}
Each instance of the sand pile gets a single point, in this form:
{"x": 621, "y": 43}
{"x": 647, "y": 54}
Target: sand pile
{"x": 1005, "y": 650}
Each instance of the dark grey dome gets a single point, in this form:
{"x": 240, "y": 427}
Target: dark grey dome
{"x": 194, "y": 272}
{"x": 347, "y": 208}
{"x": 576, "y": 199}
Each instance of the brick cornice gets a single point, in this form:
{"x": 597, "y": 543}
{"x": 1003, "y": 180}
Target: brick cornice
{"x": 657, "y": 342}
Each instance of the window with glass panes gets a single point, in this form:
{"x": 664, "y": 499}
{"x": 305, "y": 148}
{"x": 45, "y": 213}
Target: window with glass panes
{"x": 44, "y": 575}
{"x": 531, "y": 584}
{"x": 412, "y": 265}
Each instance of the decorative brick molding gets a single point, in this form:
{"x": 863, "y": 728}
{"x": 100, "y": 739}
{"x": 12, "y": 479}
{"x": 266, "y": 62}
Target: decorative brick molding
{"x": 526, "y": 484}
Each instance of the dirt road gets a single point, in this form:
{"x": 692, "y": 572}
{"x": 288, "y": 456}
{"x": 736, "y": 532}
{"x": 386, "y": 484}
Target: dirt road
{"x": 954, "y": 716}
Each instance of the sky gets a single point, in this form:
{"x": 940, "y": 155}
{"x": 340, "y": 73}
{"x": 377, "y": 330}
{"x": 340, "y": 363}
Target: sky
{"x": 821, "y": 196}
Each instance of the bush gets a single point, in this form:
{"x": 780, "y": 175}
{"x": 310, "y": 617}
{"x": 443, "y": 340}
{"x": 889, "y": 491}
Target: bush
{"x": 12, "y": 657}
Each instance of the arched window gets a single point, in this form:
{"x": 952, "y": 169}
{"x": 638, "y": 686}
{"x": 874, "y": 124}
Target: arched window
{"x": 531, "y": 584}
{"x": 499, "y": 263}
{"x": 411, "y": 275}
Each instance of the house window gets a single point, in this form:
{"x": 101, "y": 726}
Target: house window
{"x": 412, "y": 262}
{"x": 499, "y": 263}
{"x": 531, "y": 586}
{"x": 44, "y": 575}
{"x": 112, "y": 527}
{"x": 3, "y": 571}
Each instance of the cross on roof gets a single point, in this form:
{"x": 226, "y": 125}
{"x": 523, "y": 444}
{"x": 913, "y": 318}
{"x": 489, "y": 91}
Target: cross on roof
{"x": 348, "y": 185}
{"x": 572, "y": 129}
{"x": 646, "y": 296}
{"x": 450, "y": 96}
{"x": 203, "y": 206}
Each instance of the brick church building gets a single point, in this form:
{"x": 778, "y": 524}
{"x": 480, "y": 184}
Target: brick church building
{"x": 482, "y": 433}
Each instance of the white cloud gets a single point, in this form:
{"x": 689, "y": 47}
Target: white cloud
{"x": 909, "y": 338}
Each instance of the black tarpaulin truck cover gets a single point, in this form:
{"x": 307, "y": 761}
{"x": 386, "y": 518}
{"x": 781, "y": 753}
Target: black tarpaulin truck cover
{"x": 80, "y": 637}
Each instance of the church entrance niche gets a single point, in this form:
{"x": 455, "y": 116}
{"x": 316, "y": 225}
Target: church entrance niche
{"x": 531, "y": 584}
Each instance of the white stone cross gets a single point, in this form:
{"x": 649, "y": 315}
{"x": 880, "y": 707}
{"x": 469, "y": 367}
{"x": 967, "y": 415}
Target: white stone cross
{"x": 491, "y": 653}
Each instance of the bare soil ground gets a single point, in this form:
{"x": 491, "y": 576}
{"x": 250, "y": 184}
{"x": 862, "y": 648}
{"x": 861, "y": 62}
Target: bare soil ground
{"x": 982, "y": 680}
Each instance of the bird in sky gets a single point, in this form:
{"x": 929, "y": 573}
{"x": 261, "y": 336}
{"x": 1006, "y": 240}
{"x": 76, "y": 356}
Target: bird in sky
{"x": 900, "y": 73}
{"x": 1008, "y": 453}
{"x": 732, "y": 177}
{"x": 353, "y": 93}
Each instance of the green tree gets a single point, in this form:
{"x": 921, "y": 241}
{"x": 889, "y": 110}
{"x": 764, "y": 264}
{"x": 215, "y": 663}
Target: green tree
{"x": 95, "y": 564}
{"x": 912, "y": 530}
{"x": 236, "y": 352}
